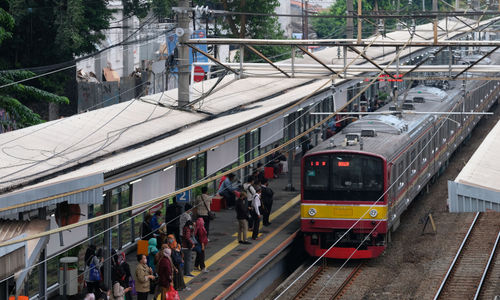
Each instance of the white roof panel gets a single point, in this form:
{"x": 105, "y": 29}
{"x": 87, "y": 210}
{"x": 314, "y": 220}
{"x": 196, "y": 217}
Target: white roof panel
{"x": 483, "y": 168}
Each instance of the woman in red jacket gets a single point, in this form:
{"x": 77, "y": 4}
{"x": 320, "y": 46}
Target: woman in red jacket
{"x": 164, "y": 270}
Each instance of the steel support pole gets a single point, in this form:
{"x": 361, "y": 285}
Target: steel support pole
{"x": 291, "y": 134}
{"x": 183, "y": 91}
{"x": 293, "y": 61}
{"x": 120, "y": 227}
{"x": 4, "y": 290}
{"x": 107, "y": 241}
{"x": 242, "y": 58}
{"x": 42, "y": 267}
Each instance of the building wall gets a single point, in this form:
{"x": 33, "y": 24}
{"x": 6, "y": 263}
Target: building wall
{"x": 285, "y": 22}
{"x": 466, "y": 198}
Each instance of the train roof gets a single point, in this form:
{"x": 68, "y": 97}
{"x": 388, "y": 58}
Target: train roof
{"x": 390, "y": 130}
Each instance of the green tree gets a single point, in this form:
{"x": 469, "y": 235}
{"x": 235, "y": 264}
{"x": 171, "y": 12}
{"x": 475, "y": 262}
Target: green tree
{"x": 41, "y": 33}
{"x": 141, "y": 8}
{"x": 254, "y": 26}
{"x": 336, "y": 27}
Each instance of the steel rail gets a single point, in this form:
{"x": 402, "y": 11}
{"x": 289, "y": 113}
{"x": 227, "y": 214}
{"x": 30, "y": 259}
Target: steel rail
{"x": 306, "y": 285}
{"x": 347, "y": 281}
{"x": 486, "y": 269}
{"x": 438, "y": 293}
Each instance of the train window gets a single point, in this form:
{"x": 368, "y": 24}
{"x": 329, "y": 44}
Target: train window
{"x": 356, "y": 177}
{"x": 413, "y": 162}
{"x": 316, "y": 173}
{"x": 401, "y": 172}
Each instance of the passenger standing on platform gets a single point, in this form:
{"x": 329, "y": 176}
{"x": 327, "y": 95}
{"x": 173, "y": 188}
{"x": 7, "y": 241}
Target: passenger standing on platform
{"x": 267, "y": 195}
{"x": 188, "y": 246}
{"x": 146, "y": 232}
{"x": 155, "y": 221}
{"x": 164, "y": 273}
{"x": 242, "y": 217}
{"x": 178, "y": 262}
{"x": 276, "y": 160}
{"x": 186, "y": 216}
{"x": 152, "y": 250}
{"x": 92, "y": 259}
{"x": 256, "y": 215}
{"x": 249, "y": 188}
{"x": 121, "y": 267}
{"x": 172, "y": 215}
{"x": 202, "y": 204}
{"x": 118, "y": 290}
{"x": 226, "y": 190}
{"x": 143, "y": 274}
{"x": 201, "y": 236}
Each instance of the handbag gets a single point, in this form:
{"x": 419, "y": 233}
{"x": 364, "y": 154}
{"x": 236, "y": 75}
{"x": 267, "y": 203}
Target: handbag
{"x": 94, "y": 273}
{"x": 172, "y": 294}
{"x": 211, "y": 214}
{"x": 131, "y": 283}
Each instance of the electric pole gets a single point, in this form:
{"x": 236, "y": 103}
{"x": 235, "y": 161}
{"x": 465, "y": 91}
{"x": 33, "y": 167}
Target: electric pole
{"x": 183, "y": 64}
{"x": 349, "y": 21}
{"x": 306, "y": 22}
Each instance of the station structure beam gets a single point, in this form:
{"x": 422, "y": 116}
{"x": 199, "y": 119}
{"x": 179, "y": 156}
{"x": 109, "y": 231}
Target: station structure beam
{"x": 346, "y": 42}
{"x": 371, "y": 61}
{"x": 267, "y": 60}
{"x": 476, "y": 62}
{"x": 318, "y": 60}
{"x": 215, "y": 60}
{"x": 423, "y": 61}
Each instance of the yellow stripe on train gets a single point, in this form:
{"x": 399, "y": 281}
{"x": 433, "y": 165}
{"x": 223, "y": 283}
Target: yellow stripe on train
{"x": 329, "y": 211}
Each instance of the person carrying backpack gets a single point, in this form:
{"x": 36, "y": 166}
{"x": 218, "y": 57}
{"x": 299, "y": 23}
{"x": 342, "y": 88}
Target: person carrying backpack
{"x": 92, "y": 271}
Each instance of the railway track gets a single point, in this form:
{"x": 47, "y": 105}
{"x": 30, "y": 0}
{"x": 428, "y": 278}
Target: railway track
{"x": 329, "y": 281}
{"x": 469, "y": 268}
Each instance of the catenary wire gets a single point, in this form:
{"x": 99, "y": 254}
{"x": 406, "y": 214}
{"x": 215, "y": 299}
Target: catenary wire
{"x": 128, "y": 219}
{"x": 380, "y": 198}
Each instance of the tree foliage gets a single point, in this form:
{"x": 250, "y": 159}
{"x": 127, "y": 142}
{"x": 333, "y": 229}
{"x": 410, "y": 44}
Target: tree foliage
{"x": 254, "y": 27}
{"x": 336, "y": 27}
{"x": 141, "y": 8}
{"x": 40, "y": 33}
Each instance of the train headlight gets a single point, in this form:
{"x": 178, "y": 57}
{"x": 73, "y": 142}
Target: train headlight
{"x": 373, "y": 213}
{"x": 312, "y": 211}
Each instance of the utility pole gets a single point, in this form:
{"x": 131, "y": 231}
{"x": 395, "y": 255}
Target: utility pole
{"x": 350, "y": 21}
{"x": 360, "y": 22}
{"x": 306, "y": 21}
{"x": 183, "y": 65}
{"x": 435, "y": 27}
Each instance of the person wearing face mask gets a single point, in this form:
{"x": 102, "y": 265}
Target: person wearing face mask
{"x": 188, "y": 244}
{"x": 186, "y": 216}
{"x": 178, "y": 262}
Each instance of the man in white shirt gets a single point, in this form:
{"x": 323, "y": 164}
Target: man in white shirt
{"x": 256, "y": 216}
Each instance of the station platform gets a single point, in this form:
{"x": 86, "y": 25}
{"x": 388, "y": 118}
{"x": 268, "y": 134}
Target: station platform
{"x": 226, "y": 259}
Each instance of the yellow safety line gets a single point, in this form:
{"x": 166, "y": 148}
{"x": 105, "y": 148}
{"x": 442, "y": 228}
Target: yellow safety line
{"x": 241, "y": 258}
{"x": 219, "y": 254}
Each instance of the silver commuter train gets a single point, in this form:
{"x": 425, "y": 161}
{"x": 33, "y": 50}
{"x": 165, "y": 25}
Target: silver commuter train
{"x": 365, "y": 176}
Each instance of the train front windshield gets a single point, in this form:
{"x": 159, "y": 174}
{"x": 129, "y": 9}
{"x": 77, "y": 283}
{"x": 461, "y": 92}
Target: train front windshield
{"x": 343, "y": 177}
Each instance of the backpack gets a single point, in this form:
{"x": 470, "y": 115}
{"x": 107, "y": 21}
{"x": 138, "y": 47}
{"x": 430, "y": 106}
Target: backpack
{"x": 176, "y": 258}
